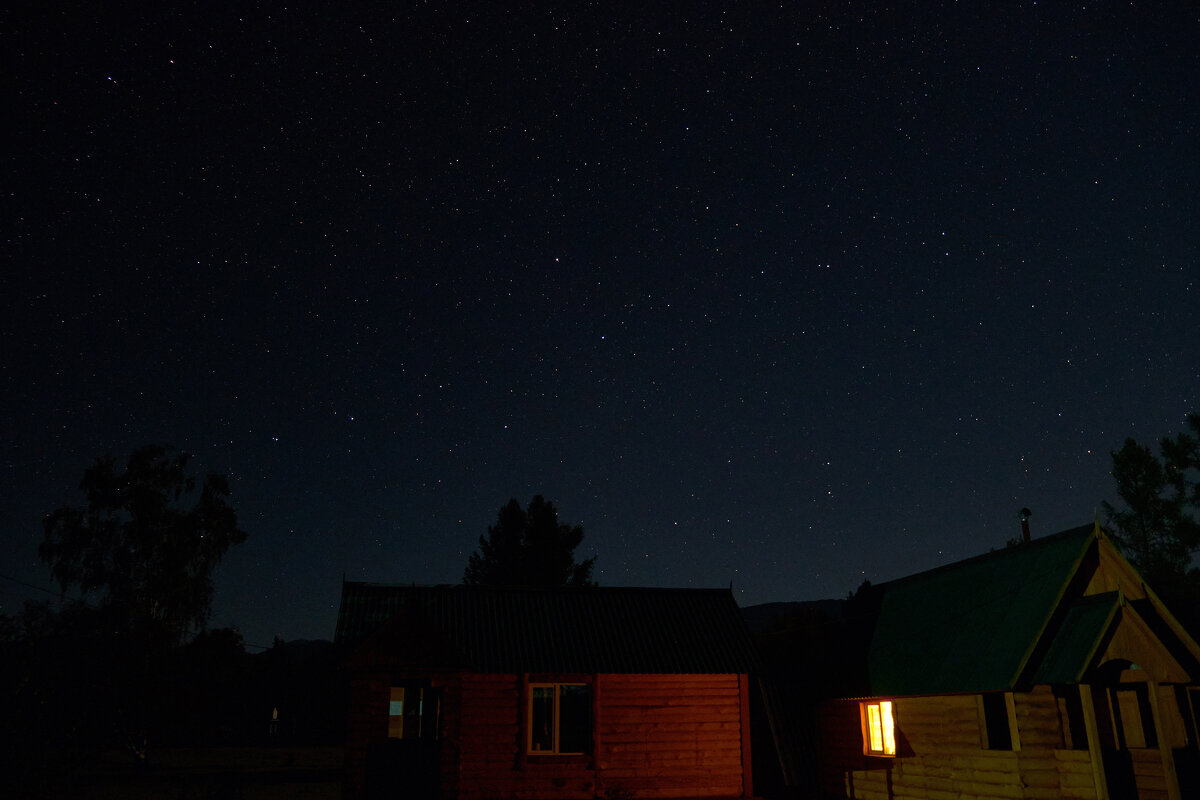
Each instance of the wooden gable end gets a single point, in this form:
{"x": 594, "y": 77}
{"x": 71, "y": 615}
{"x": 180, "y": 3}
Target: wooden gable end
{"x": 1109, "y": 614}
{"x": 1114, "y": 573}
{"x": 1132, "y": 640}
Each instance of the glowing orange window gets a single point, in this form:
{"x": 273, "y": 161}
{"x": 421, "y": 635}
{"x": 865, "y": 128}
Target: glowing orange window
{"x": 879, "y": 728}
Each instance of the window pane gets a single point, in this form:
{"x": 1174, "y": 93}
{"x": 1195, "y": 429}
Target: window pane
{"x": 574, "y": 719}
{"x": 875, "y": 727}
{"x": 541, "y": 718}
{"x": 889, "y": 730}
{"x": 396, "y": 713}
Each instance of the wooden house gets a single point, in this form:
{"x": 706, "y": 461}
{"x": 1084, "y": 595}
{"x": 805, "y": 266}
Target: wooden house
{"x": 568, "y": 693}
{"x": 1045, "y": 670}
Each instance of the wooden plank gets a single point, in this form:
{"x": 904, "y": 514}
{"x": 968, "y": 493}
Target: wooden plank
{"x": 1099, "y": 783}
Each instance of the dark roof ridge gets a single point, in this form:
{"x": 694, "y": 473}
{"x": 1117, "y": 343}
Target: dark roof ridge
{"x": 1024, "y": 547}
{"x": 556, "y": 629}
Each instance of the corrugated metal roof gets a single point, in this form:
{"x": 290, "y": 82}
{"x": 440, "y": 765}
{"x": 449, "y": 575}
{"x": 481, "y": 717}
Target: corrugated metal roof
{"x": 563, "y": 630}
{"x": 971, "y": 626}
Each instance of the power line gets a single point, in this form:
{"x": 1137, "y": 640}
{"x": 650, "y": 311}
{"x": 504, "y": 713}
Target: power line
{"x": 63, "y": 595}
{"x": 41, "y": 588}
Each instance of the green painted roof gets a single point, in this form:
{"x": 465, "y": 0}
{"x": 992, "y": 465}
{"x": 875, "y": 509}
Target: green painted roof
{"x": 564, "y": 630}
{"x": 1075, "y": 644}
{"x": 970, "y": 626}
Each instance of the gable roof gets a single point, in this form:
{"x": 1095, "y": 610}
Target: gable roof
{"x": 555, "y": 630}
{"x": 973, "y": 625}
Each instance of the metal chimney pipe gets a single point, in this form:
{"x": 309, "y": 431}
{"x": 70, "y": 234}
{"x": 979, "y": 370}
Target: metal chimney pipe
{"x": 1025, "y": 514}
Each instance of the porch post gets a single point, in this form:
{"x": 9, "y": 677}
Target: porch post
{"x": 1093, "y": 739}
{"x": 1164, "y": 746}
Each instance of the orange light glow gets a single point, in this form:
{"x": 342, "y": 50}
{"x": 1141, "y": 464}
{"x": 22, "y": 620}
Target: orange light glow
{"x": 889, "y": 728}
{"x": 880, "y": 728}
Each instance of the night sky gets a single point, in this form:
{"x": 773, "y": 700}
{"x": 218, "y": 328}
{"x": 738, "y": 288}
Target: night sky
{"x": 789, "y": 295}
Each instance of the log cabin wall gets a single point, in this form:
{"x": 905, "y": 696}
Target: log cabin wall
{"x": 661, "y": 736}
{"x": 492, "y": 763}
{"x": 1049, "y": 767}
{"x": 655, "y": 736}
{"x": 940, "y": 753}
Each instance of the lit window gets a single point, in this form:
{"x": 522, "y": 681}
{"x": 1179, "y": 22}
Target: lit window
{"x": 559, "y": 718}
{"x": 879, "y": 729}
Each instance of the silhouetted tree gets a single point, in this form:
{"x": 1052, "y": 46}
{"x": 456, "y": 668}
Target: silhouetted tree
{"x": 143, "y": 553}
{"x": 148, "y": 557}
{"x": 1156, "y": 526}
{"x": 529, "y": 547}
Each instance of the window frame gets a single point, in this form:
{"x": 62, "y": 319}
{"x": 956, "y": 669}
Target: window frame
{"x": 884, "y": 718}
{"x": 556, "y": 712}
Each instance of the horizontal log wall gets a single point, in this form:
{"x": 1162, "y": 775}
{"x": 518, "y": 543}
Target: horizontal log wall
{"x": 940, "y": 753}
{"x": 1047, "y": 768}
{"x": 490, "y": 749}
{"x": 656, "y": 736}
{"x": 1148, "y": 773}
{"x": 661, "y": 736}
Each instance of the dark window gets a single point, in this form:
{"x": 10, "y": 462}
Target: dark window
{"x": 997, "y": 733}
{"x": 560, "y": 718}
{"x": 1070, "y": 717}
{"x": 574, "y": 716}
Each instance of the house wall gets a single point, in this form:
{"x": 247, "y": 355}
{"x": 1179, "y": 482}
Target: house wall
{"x": 491, "y": 747}
{"x": 367, "y": 724}
{"x": 662, "y": 736}
{"x": 656, "y": 737}
{"x": 940, "y": 753}
{"x": 1153, "y": 774}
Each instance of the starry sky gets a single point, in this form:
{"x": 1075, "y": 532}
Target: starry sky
{"x": 787, "y": 295}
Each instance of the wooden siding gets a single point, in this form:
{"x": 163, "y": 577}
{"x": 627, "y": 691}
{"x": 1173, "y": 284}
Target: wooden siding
{"x": 940, "y": 753}
{"x": 655, "y": 737}
{"x": 669, "y": 736}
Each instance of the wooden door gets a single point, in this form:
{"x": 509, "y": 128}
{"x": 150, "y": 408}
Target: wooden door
{"x": 407, "y": 763}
